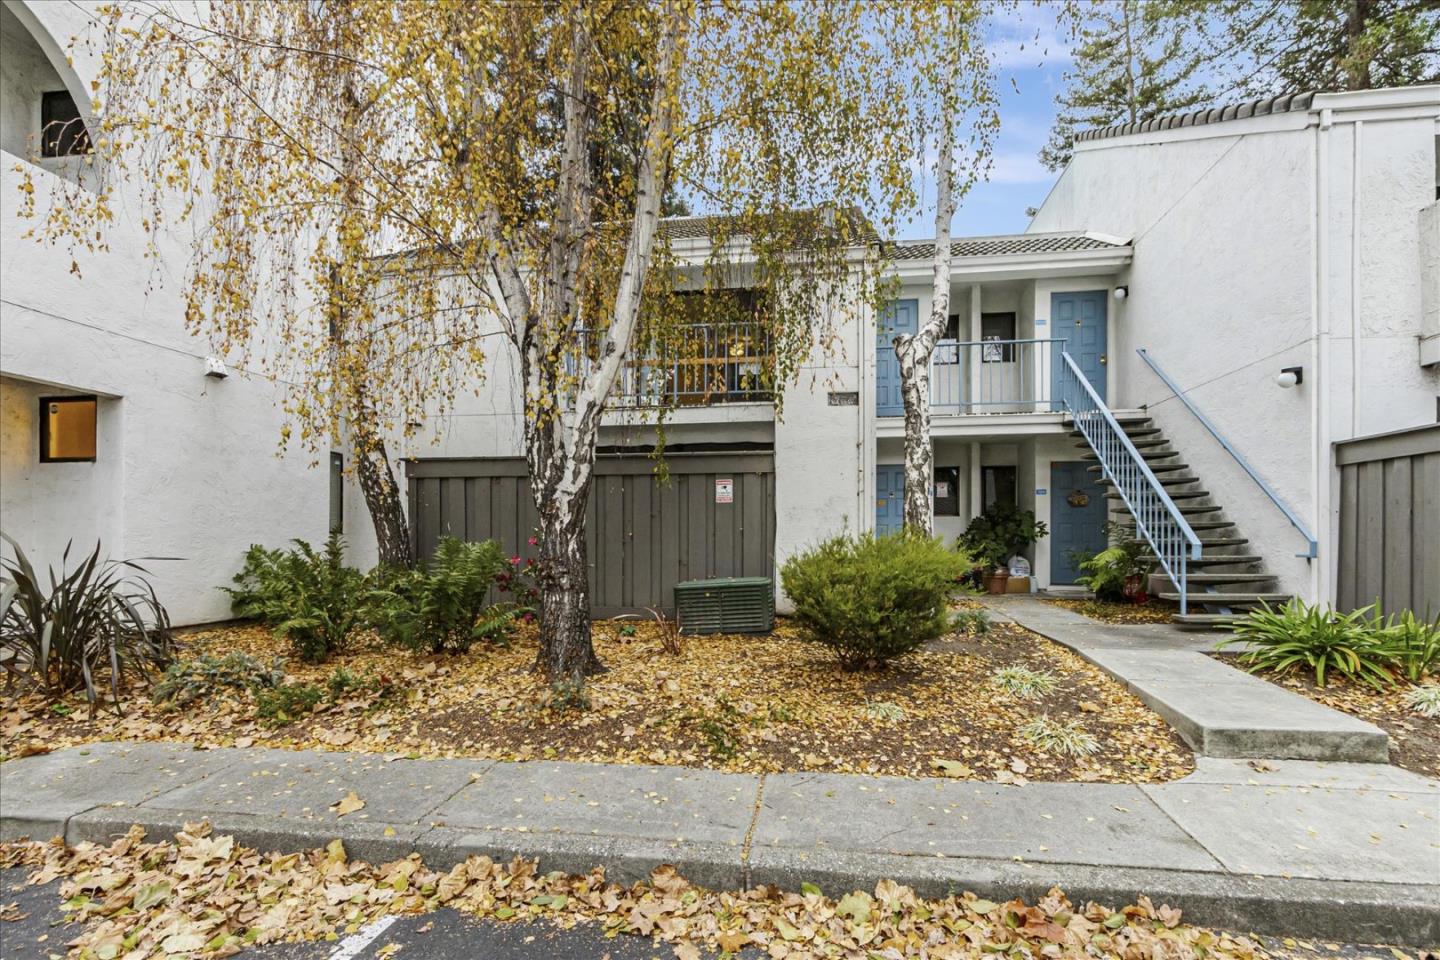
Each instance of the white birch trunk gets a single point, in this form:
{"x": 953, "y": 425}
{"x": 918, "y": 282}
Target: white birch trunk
{"x": 913, "y": 352}
{"x": 559, "y": 437}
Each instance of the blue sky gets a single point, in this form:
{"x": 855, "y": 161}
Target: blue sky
{"x": 1031, "y": 59}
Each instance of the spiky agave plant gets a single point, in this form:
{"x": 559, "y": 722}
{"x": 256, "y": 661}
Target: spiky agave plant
{"x": 94, "y": 626}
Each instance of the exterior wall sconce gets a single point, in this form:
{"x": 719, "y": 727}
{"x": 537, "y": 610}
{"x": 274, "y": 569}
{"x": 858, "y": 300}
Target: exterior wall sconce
{"x": 1290, "y": 377}
{"x": 1122, "y": 292}
{"x": 215, "y": 368}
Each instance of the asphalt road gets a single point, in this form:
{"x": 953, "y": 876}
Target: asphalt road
{"x": 443, "y": 935}
{"x": 448, "y": 935}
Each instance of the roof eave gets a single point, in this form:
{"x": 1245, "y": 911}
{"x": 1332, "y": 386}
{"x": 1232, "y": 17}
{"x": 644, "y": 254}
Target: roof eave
{"x": 1054, "y": 263}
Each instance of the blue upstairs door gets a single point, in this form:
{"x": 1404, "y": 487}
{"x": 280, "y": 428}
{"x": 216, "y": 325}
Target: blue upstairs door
{"x": 889, "y": 498}
{"x": 1079, "y": 320}
{"x": 899, "y": 316}
{"x": 1077, "y": 518}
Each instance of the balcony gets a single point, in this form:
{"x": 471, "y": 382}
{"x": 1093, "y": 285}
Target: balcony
{"x": 969, "y": 377}
{"x": 698, "y": 365}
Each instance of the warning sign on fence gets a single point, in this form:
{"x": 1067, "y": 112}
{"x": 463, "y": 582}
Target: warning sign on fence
{"x": 725, "y": 491}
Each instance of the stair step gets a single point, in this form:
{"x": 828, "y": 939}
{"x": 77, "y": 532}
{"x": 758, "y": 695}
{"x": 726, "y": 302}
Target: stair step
{"x": 1165, "y": 481}
{"x": 1229, "y": 599}
{"x": 1226, "y": 578}
{"x": 1131, "y": 432}
{"x": 1146, "y": 455}
{"x": 1172, "y": 494}
{"x": 1154, "y": 467}
{"x": 1194, "y": 525}
{"x": 1144, "y": 443}
{"x": 1215, "y": 559}
{"x": 1207, "y": 542}
{"x": 1186, "y": 509}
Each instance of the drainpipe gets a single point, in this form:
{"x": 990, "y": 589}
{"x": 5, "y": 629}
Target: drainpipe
{"x": 1357, "y": 158}
{"x": 1320, "y": 408}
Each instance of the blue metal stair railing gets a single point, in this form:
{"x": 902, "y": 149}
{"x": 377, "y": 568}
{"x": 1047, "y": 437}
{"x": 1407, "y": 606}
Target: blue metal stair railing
{"x": 1312, "y": 546}
{"x": 1157, "y": 519}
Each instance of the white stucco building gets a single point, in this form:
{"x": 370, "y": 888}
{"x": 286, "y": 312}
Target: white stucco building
{"x": 1299, "y": 234}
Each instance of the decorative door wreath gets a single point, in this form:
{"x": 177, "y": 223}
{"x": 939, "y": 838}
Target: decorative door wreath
{"x": 1078, "y": 498}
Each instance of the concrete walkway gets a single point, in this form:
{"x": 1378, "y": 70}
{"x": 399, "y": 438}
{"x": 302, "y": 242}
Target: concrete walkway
{"x": 1338, "y": 851}
{"x": 1219, "y": 710}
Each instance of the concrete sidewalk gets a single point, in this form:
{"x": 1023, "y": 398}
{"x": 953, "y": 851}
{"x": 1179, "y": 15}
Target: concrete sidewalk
{"x": 1218, "y": 710}
{"x": 1331, "y": 850}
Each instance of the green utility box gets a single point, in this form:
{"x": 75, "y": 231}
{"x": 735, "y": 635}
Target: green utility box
{"x": 726, "y": 605}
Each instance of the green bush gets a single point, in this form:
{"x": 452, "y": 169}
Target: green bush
{"x": 1414, "y": 644}
{"x": 441, "y": 606}
{"x": 99, "y": 623}
{"x": 190, "y": 680}
{"x": 1316, "y": 639}
{"x": 307, "y": 596}
{"x": 281, "y": 705}
{"x": 870, "y": 598}
{"x": 999, "y": 533}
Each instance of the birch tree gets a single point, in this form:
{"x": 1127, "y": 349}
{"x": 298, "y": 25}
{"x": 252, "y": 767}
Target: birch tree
{"x": 383, "y": 195}
{"x": 962, "y": 83}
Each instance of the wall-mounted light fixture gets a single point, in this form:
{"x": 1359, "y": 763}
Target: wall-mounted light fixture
{"x": 1290, "y": 377}
{"x": 215, "y": 368}
{"x": 1122, "y": 292}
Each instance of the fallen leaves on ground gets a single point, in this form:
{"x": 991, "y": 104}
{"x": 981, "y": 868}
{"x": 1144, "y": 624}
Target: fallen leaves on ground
{"x": 348, "y": 804}
{"x": 207, "y": 896}
{"x": 1414, "y": 740}
{"x": 741, "y": 703}
{"x": 1107, "y": 611}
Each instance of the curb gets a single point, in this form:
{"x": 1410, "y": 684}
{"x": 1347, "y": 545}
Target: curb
{"x": 1324, "y": 909}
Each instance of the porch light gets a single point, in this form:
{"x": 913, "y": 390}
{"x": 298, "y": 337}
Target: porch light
{"x": 1122, "y": 292}
{"x": 1290, "y": 376}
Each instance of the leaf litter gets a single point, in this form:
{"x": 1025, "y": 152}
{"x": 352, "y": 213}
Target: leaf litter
{"x": 202, "y": 895}
{"x": 740, "y": 703}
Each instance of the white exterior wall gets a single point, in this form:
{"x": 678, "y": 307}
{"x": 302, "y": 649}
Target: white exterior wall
{"x": 187, "y": 466}
{"x": 1232, "y": 280}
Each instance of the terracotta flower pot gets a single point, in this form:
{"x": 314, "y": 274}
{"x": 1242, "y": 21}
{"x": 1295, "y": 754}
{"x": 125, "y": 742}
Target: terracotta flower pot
{"x": 1134, "y": 589}
{"x": 995, "y": 581}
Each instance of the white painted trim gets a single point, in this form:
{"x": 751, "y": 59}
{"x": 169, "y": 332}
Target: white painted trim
{"x": 990, "y": 426}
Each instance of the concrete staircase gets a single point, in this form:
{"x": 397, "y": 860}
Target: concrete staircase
{"x": 1229, "y": 578}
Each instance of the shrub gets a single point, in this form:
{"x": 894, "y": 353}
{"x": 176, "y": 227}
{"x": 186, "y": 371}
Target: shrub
{"x": 1104, "y": 574}
{"x": 999, "y": 533}
{"x": 1316, "y": 639}
{"x": 98, "y": 623}
{"x": 1414, "y": 644}
{"x": 870, "y": 598}
{"x": 281, "y": 705}
{"x": 188, "y": 680}
{"x": 1021, "y": 681}
{"x": 971, "y": 621}
{"x": 1056, "y": 736}
{"x": 309, "y": 597}
{"x": 441, "y": 606}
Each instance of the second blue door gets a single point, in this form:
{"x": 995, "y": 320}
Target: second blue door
{"x": 1077, "y": 518}
{"x": 1079, "y": 320}
{"x": 900, "y": 316}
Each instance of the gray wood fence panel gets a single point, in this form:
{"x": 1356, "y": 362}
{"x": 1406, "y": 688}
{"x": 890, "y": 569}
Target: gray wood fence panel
{"x": 643, "y": 536}
{"x": 1390, "y": 522}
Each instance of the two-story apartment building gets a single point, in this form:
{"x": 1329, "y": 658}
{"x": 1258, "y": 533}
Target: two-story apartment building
{"x": 1278, "y": 264}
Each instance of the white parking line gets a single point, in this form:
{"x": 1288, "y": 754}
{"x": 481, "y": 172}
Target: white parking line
{"x": 351, "y": 946}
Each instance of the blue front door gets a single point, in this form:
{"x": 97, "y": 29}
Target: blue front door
{"x": 900, "y": 316}
{"x": 1079, "y": 320}
{"x": 889, "y": 498}
{"x": 1077, "y": 518}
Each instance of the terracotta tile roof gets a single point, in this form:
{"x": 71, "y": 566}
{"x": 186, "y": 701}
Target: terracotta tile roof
{"x": 1284, "y": 103}
{"x": 1012, "y": 245}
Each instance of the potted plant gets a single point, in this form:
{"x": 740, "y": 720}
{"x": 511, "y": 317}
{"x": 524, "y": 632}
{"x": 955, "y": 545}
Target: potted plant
{"x": 998, "y": 534}
{"x": 1118, "y": 572}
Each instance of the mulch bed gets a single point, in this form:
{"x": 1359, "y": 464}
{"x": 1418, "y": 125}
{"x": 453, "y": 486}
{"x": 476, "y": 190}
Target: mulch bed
{"x": 1414, "y": 740}
{"x": 1106, "y": 611}
{"x": 744, "y": 703}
